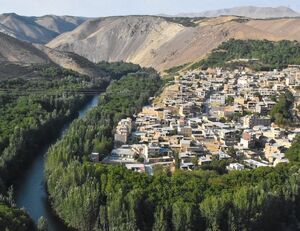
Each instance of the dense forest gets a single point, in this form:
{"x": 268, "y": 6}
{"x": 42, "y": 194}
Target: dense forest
{"x": 78, "y": 202}
{"x": 89, "y": 196}
{"x": 261, "y": 55}
{"x": 14, "y": 219}
{"x": 33, "y": 109}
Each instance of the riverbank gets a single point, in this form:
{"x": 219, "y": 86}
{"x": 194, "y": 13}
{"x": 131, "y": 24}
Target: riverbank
{"x": 30, "y": 188}
{"x": 84, "y": 194}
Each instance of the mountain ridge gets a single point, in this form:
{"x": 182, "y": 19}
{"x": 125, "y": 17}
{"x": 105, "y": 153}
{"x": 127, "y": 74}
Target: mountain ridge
{"x": 17, "y": 56}
{"x": 150, "y": 41}
{"x": 37, "y": 29}
{"x": 247, "y": 11}
{"x": 162, "y": 43}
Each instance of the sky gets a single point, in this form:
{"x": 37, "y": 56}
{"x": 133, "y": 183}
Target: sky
{"x": 97, "y": 8}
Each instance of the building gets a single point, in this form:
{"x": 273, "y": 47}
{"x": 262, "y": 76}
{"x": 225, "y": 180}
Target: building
{"x": 136, "y": 167}
{"x": 271, "y": 149}
{"x": 123, "y": 131}
{"x": 229, "y": 136}
{"x": 248, "y": 139}
{"x": 235, "y": 166}
{"x": 255, "y": 164}
{"x": 95, "y": 157}
{"x": 185, "y": 131}
{"x": 124, "y": 154}
{"x": 217, "y": 99}
{"x": 251, "y": 121}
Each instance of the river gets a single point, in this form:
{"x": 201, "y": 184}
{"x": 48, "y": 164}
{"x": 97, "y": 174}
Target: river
{"x": 30, "y": 190}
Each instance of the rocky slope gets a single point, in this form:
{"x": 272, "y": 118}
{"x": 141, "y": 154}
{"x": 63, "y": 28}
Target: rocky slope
{"x": 16, "y": 56}
{"x": 72, "y": 61}
{"x": 248, "y": 11}
{"x": 16, "y": 51}
{"x": 37, "y": 29}
{"x": 163, "y": 42}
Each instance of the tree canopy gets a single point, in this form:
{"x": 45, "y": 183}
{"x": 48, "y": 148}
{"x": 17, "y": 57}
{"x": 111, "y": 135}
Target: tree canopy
{"x": 261, "y": 55}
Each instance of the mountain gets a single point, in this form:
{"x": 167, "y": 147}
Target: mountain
{"x": 37, "y": 29}
{"x": 163, "y": 42}
{"x": 16, "y": 56}
{"x": 6, "y": 30}
{"x": 16, "y": 51}
{"x": 248, "y": 11}
{"x": 72, "y": 61}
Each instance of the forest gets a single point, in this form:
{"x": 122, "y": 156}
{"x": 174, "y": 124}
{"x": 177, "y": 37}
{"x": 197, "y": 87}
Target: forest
{"x": 89, "y": 196}
{"x": 32, "y": 111}
{"x": 261, "y": 55}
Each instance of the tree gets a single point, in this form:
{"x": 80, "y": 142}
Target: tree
{"x": 229, "y": 100}
{"x": 10, "y": 197}
{"x": 231, "y": 152}
{"x": 42, "y": 224}
{"x": 195, "y": 161}
{"x": 293, "y": 153}
{"x": 160, "y": 218}
{"x": 177, "y": 160}
{"x": 281, "y": 112}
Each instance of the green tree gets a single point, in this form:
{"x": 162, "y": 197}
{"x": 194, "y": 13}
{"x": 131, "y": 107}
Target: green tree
{"x": 42, "y": 224}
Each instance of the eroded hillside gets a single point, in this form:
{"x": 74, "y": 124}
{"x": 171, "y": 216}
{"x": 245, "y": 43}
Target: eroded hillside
{"x": 163, "y": 43}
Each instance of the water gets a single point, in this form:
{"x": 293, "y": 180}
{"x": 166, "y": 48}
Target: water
{"x": 30, "y": 189}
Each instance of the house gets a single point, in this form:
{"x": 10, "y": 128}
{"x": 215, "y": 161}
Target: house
{"x": 217, "y": 99}
{"x": 239, "y": 100}
{"x": 223, "y": 155}
{"x": 123, "y": 131}
{"x": 186, "y": 109}
{"x": 136, "y": 167}
{"x": 229, "y": 136}
{"x": 185, "y": 144}
{"x": 250, "y": 121}
{"x": 235, "y": 166}
{"x": 251, "y": 105}
{"x": 263, "y": 108}
{"x": 272, "y": 148}
{"x": 205, "y": 160}
{"x": 255, "y": 164}
{"x": 185, "y": 131}
{"x": 95, "y": 157}
{"x": 248, "y": 139}
{"x": 124, "y": 154}
{"x": 186, "y": 166}
{"x": 279, "y": 161}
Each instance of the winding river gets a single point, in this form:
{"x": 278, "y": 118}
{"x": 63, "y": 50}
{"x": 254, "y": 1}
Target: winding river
{"x": 30, "y": 189}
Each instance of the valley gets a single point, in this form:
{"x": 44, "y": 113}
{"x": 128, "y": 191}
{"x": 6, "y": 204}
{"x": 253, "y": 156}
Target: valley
{"x": 150, "y": 122}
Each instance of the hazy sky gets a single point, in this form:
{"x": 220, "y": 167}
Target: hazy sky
{"x": 94, "y": 8}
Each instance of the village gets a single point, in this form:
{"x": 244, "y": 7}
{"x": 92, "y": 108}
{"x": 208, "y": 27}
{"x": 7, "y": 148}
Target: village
{"x": 203, "y": 117}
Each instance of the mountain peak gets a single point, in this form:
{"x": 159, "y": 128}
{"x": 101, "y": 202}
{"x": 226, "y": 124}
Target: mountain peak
{"x": 37, "y": 29}
{"x": 248, "y": 11}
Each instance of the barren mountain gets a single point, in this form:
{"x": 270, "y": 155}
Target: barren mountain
{"x": 248, "y": 11}
{"x": 5, "y": 30}
{"x": 16, "y": 51}
{"x": 166, "y": 42}
{"x": 72, "y": 61}
{"x": 286, "y": 28}
{"x": 16, "y": 56}
{"x": 37, "y": 29}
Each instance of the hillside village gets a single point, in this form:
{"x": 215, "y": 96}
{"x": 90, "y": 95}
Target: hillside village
{"x": 207, "y": 117}
{"x": 137, "y": 117}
